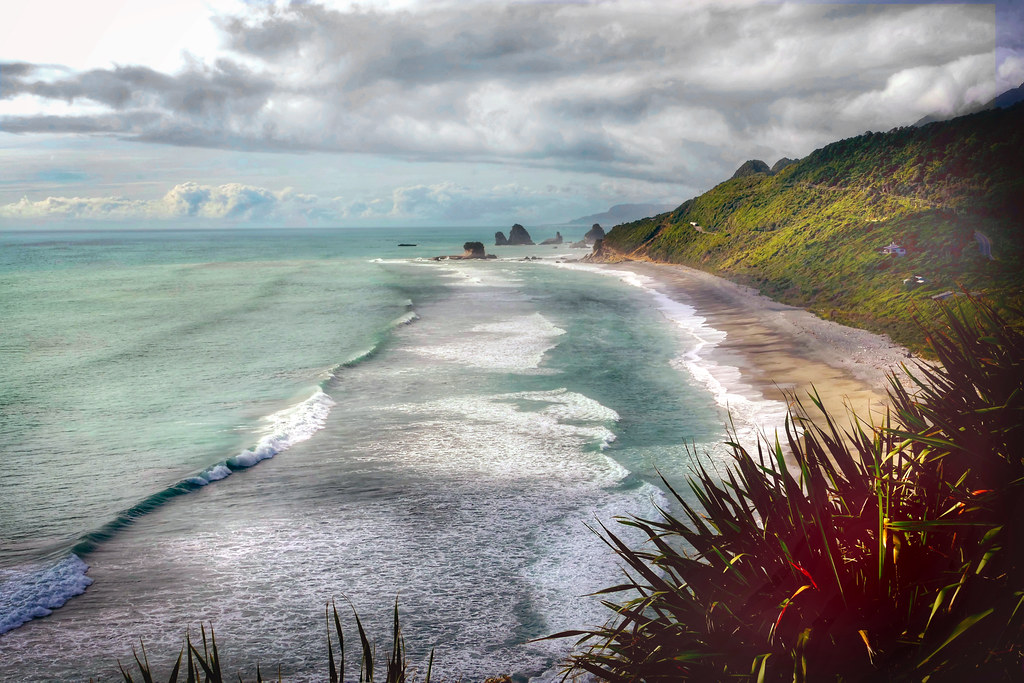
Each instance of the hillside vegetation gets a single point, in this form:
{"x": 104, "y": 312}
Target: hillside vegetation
{"x": 812, "y": 233}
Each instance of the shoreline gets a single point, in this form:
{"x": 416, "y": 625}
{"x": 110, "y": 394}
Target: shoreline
{"x": 781, "y": 349}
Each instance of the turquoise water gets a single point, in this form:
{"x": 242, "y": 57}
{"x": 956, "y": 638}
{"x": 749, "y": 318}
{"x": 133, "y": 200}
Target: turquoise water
{"x": 238, "y": 426}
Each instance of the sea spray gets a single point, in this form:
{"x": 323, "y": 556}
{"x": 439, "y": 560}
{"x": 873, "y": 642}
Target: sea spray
{"x": 287, "y": 428}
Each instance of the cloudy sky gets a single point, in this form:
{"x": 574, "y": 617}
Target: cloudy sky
{"x": 413, "y": 112}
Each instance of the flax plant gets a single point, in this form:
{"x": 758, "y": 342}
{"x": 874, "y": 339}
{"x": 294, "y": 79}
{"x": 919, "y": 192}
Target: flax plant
{"x": 206, "y": 666}
{"x": 889, "y": 551}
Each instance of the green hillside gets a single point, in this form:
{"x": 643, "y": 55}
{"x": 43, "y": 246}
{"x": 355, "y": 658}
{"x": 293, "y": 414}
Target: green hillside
{"x": 812, "y": 234}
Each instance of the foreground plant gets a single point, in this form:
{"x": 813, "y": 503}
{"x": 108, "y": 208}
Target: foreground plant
{"x": 206, "y": 665}
{"x": 889, "y": 552}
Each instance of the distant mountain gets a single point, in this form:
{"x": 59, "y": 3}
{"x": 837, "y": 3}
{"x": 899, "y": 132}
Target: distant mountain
{"x": 1008, "y": 98}
{"x": 1002, "y": 101}
{"x": 623, "y": 213}
{"x": 813, "y": 233}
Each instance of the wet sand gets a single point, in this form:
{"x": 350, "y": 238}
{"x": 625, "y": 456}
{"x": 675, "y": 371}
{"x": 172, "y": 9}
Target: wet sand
{"x": 782, "y": 349}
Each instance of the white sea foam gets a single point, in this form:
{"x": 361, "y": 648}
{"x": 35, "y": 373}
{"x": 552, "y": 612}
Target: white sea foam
{"x": 405, "y": 319}
{"x": 526, "y": 431}
{"x": 286, "y": 428}
{"x": 215, "y": 473}
{"x": 32, "y": 592}
{"x": 751, "y": 412}
{"x": 514, "y": 344}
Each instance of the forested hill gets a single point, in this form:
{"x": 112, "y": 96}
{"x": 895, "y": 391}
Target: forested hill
{"x": 812, "y": 234}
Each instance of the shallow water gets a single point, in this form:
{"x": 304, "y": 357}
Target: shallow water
{"x": 442, "y": 432}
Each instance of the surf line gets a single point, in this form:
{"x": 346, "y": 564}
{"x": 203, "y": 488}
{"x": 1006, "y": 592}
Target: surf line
{"x": 34, "y": 591}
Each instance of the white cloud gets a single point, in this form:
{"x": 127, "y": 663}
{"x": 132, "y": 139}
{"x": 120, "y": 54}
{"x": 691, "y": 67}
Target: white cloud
{"x": 1010, "y": 73}
{"x": 664, "y": 98}
{"x": 443, "y": 203}
{"x": 923, "y": 90}
{"x": 232, "y": 202}
{"x": 621, "y": 89}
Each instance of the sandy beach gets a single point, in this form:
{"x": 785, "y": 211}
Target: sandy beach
{"x": 782, "y": 349}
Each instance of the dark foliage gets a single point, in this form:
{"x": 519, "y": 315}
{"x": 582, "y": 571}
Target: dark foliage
{"x": 887, "y": 552}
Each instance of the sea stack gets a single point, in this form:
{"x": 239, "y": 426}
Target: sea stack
{"x": 557, "y": 239}
{"x": 518, "y": 235}
{"x": 472, "y": 250}
{"x": 499, "y": 239}
{"x": 595, "y": 233}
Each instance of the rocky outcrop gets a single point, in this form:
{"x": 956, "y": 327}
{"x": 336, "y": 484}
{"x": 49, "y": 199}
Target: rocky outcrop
{"x": 595, "y": 233}
{"x": 605, "y": 254}
{"x": 472, "y": 250}
{"x": 756, "y": 166}
{"x": 499, "y": 239}
{"x": 752, "y": 167}
{"x": 782, "y": 163}
{"x": 518, "y": 236}
{"x": 597, "y": 255}
{"x": 557, "y": 239}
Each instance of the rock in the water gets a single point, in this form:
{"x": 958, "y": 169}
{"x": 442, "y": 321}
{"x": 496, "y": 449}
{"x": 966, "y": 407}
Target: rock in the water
{"x": 518, "y": 235}
{"x": 557, "y": 239}
{"x": 595, "y": 233}
{"x": 752, "y": 167}
{"x": 499, "y": 239}
{"x": 474, "y": 250}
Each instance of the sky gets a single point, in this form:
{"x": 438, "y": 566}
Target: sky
{"x": 200, "y": 113}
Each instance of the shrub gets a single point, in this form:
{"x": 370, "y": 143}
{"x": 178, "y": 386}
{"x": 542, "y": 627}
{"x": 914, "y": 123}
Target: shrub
{"x": 887, "y": 552}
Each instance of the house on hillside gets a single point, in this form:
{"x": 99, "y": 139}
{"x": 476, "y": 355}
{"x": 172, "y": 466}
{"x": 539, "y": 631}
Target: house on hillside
{"x": 913, "y": 281}
{"x": 894, "y": 250}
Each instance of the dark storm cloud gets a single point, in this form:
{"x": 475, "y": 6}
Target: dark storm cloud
{"x": 679, "y": 91}
{"x": 15, "y": 69}
{"x": 225, "y": 89}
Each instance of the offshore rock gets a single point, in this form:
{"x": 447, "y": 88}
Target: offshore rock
{"x": 557, "y": 239}
{"x": 499, "y": 239}
{"x": 595, "y": 233}
{"x": 518, "y": 235}
{"x": 472, "y": 250}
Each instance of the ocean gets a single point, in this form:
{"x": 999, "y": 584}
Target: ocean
{"x": 236, "y": 427}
